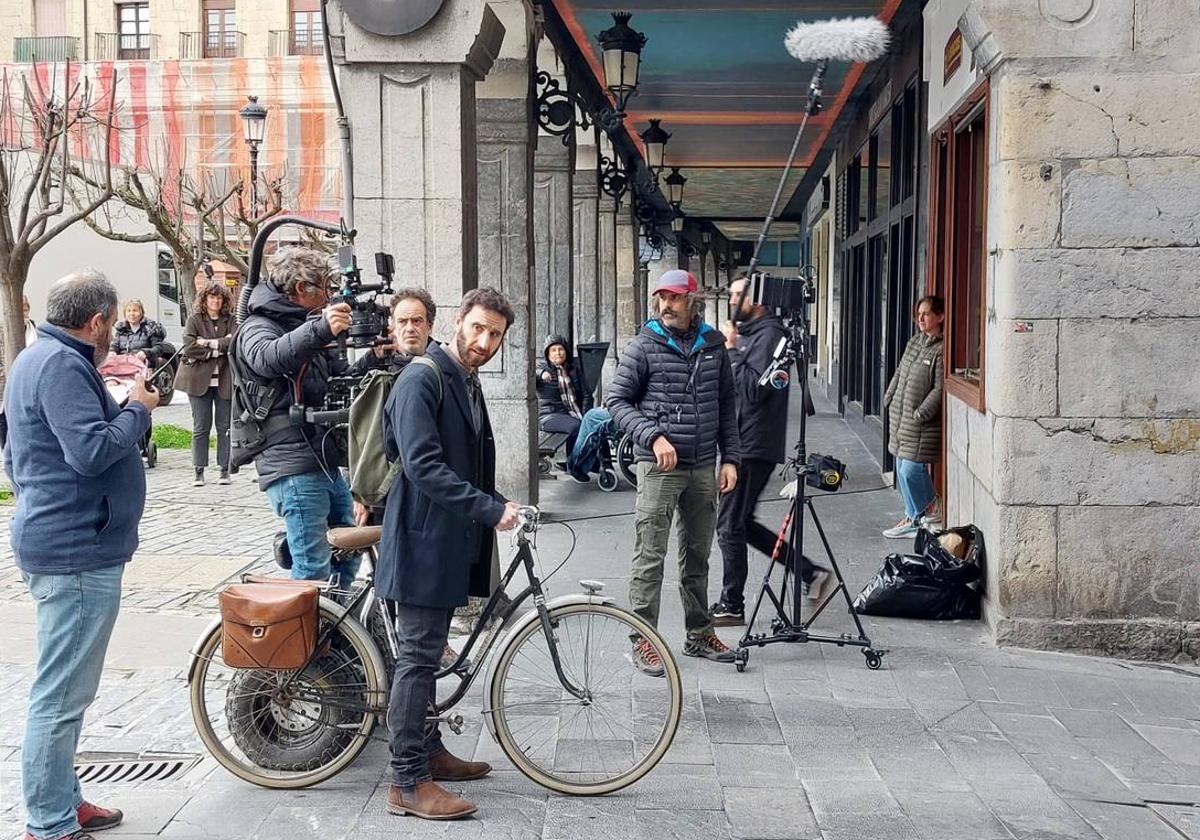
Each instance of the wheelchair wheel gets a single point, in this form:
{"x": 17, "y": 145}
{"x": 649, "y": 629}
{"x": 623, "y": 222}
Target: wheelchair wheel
{"x": 607, "y": 480}
{"x": 625, "y": 460}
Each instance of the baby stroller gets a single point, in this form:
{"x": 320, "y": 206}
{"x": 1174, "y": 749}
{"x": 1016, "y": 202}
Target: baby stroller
{"x": 550, "y": 444}
{"x": 118, "y": 372}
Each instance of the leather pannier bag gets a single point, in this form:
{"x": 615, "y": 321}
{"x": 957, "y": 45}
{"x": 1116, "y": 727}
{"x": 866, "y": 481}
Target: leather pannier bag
{"x": 271, "y": 626}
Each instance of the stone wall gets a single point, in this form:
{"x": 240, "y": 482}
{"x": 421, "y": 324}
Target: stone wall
{"x": 1084, "y": 472}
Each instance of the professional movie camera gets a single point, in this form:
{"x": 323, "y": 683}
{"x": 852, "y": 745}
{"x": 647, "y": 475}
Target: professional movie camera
{"x": 368, "y": 317}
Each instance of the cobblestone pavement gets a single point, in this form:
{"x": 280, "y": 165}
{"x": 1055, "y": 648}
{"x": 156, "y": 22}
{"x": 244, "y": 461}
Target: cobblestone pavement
{"x": 952, "y": 740}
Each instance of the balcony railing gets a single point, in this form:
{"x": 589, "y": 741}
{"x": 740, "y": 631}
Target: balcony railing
{"x": 295, "y": 42}
{"x": 46, "y": 48}
{"x": 113, "y": 46}
{"x": 214, "y": 44}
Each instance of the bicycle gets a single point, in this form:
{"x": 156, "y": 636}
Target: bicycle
{"x": 564, "y": 700}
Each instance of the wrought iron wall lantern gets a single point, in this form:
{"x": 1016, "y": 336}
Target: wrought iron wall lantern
{"x": 675, "y": 183}
{"x": 559, "y": 112}
{"x": 650, "y": 246}
{"x": 622, "y": 47}
{"x": 655, "y": 140}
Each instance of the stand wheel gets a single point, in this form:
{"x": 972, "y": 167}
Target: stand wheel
{"x": 151, "y": 454}
{"x": 742, "y": 656}
{"x": 607, "y": 480}
{"x": 545, "y": 465}
{"x": 874, "y": 659}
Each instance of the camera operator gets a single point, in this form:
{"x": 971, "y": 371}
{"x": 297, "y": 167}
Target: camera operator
{"x": 762, "y": 413}
{"x": 283, "y": 349}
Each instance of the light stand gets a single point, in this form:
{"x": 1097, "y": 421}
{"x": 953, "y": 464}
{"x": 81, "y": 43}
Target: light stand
{"x": 790, "y": 625}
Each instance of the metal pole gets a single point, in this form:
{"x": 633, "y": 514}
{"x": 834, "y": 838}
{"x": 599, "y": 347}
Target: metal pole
{"x": 253, "y": 179}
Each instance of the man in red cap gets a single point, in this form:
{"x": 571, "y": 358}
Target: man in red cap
{"x": 673, "y": 395}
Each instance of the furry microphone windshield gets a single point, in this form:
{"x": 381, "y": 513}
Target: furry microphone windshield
{"x": 850, "y": 39}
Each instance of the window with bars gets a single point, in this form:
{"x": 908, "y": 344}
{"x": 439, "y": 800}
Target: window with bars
{"x": 220, "y": 30}
{"x": 133, "y": 31}
{"x": 306, "y": 31}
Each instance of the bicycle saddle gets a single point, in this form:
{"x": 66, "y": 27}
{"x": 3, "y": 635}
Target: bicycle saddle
{"x": 354, "y": 538}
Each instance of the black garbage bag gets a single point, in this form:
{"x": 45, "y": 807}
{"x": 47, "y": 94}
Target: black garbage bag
{"x": 935, "y": 584}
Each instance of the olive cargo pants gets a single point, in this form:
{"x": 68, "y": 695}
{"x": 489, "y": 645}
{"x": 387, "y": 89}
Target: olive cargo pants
{"x": 693, "y": 490}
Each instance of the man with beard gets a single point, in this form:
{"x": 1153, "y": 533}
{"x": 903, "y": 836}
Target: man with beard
{"x": 438, "y": 540}
{"x": 673, "y": 395}
{"x": 762, "y": 413}
{"x": 72, "y": 455}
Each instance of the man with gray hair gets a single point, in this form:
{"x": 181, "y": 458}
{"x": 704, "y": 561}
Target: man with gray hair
{"x": 281, "y": 356}
{"x": 673, "y": 395}
{"x": 72, "y": 456}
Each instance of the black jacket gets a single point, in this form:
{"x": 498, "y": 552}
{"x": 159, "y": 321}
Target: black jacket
{"x": 687, "y": 394}
{"x": 549, "y": 397}
{"x": 438, "y": 537}
{"x": 762, "y": 411}
{"x": 149, "y": 336}
{"x": 280, "y": 343}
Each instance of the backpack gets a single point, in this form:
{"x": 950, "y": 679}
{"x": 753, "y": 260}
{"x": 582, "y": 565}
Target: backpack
{"x": 371, "y": 474}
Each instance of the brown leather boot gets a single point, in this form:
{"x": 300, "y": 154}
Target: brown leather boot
{"x": 429, "y": 801}
{"x": 446, "y": 767}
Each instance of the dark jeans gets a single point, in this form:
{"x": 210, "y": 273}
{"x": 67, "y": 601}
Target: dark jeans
{"x": 422, "y": 633}
{"x": 202, "y": 423}
{"x": 736, "y": 526}
{"x": 564, "y": 424}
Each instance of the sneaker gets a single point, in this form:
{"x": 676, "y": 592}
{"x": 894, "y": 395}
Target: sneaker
{"x": 581, "y": 478}
{"x": 647, "y": 660}
{"x": 94, "y": 818}
{"x": 78, "y": 835}
{"x": 820, "y": 585}
{"x": 225, "y": 478}
{"x": 724, "y": 615}
{"x": 198, "y": 481}
{"x": 904, "y": 528}
{"x": 708, "y": 646}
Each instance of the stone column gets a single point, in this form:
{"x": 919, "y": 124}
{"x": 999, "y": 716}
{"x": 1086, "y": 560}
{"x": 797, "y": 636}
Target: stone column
{"x": 586, "y": 255}
{"x": 607, "y": 222}
{"x": 505, "y": 200}
{"x": 413, "y": 104}
{"x": 628, "y": 277}
{"x": 552, "y": 237}
{"x": 708, "y": 269}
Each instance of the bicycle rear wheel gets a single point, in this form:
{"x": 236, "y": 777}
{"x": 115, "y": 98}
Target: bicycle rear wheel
{"x": 292, "y": 737}
{"x": 608, "y": 739}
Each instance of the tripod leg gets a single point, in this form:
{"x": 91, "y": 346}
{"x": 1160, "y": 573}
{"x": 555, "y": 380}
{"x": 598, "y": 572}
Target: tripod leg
{"x": 765, "y": 590}
{"x": 833, "y": 565}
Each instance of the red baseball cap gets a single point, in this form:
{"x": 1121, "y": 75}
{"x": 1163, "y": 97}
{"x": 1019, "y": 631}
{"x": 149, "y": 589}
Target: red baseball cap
{"x": 677, "y": 281}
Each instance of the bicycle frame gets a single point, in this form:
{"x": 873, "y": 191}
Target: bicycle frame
{"x": 464, "y": 667}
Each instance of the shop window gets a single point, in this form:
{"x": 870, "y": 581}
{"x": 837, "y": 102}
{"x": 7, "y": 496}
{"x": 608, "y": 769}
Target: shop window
{"x": 789, "y": 254}
{"x": 957, "y": 243}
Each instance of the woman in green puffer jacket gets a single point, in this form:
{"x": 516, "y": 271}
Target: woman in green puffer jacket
{"x": 914, "y": 405}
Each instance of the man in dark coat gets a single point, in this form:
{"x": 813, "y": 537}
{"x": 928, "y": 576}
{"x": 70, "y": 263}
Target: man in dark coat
{"x": 762, "y": 412}
{"x": 673, "y": 395}
{"x": 438, "y": 540}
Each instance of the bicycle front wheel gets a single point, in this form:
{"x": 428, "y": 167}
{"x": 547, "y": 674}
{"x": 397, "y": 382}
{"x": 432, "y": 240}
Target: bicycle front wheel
{"x": 608, "y": 738}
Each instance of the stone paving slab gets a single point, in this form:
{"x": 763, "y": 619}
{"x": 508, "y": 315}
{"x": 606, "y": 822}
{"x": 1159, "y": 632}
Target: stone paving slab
{"x": 952, "y": 739}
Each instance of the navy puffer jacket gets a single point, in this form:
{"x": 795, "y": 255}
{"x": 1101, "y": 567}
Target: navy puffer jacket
{"x": 684, "y": 393}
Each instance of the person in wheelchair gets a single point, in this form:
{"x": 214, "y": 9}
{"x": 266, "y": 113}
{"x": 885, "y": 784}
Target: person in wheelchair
{"x": 565, "y": 406}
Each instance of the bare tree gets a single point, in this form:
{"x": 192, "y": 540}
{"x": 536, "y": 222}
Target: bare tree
{"x": 44, "y": 134}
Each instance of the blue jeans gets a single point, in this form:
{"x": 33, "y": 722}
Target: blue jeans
{"x": 75, "y": 617}
{"x": 916, "y": 487}
{"x": 421, "y": 633}
{"x": 310, "y": 504}
{"x": 585, "y": 455}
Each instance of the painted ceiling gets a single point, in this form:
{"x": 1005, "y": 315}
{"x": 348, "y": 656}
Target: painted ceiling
{"x": 717, "y": 74}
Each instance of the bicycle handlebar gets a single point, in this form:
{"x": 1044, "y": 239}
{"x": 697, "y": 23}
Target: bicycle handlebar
{"x": 527, "y": 519}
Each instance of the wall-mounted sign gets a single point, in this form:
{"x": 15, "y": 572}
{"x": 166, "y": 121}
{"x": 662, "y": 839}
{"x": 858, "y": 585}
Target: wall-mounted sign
{"x": 952, "y": 55}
